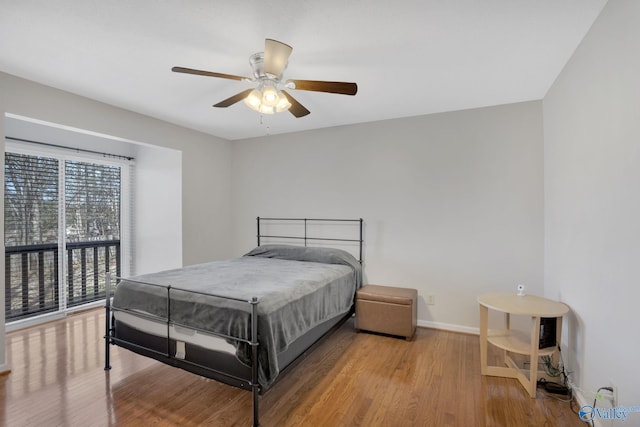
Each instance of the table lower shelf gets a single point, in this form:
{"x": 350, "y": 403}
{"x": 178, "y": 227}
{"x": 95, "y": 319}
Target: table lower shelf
{"x": 515, "y": 342}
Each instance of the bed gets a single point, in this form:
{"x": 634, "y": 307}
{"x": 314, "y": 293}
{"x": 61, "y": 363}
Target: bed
{"x": 242, "y": 321}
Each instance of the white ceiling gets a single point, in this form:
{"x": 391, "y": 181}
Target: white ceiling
{"x": 409, "y": 57}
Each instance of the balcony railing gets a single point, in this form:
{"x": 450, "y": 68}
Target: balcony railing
{"x": 32, "y": 276}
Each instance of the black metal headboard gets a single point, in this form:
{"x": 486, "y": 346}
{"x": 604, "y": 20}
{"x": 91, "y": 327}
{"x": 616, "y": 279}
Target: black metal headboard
{"x": 305, "y": 237}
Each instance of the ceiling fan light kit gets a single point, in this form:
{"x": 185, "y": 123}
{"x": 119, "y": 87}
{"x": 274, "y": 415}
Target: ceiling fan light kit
{"x": 269, "y": 97}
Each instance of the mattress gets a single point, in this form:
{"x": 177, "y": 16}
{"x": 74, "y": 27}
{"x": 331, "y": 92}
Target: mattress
{"x": 176, "y": 332}
{"x": 296, "y": 288}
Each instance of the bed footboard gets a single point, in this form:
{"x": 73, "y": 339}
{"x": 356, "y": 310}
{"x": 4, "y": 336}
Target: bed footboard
{"x": 168, "y": 356}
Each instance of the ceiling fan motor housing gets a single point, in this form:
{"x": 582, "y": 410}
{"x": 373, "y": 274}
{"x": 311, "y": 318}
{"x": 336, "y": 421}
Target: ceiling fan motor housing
{"x": 257, "y": 65}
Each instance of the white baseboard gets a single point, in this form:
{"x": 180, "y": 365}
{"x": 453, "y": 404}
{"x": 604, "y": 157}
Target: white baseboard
{"x": 581, "y": 399}
{"x": 449, "y": 327}
{"x": 5, "y": 369}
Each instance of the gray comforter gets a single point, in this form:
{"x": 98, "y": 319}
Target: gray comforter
{"x": 297, "y": 289}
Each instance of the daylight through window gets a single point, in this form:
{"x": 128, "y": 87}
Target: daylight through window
{"x": 62, "y": 232}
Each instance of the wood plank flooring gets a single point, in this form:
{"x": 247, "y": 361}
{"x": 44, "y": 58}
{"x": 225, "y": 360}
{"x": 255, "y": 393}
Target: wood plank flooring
{"x": 351, "y": 379}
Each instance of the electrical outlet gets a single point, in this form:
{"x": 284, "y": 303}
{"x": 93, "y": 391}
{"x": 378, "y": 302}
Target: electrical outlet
{"x": 431, "y": 299}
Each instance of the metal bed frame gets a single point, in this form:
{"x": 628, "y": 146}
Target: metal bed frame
{"x": 209, "y": 372}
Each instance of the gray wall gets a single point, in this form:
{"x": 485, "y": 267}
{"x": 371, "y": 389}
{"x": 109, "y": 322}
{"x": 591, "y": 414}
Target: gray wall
{"x": 592, "y": 203}
{"x": 453, "y": 202}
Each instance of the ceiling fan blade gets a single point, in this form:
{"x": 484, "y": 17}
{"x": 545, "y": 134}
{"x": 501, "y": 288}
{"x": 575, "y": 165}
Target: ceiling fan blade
{"x": 233, "y": 99}
{"x": 296, "y": 108}
{"x": 343, "y": 88}
{"x": 276, "y": 56}
{"x": 207, "y": 73}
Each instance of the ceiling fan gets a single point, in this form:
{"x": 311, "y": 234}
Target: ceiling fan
{"x": 270, "y": 96}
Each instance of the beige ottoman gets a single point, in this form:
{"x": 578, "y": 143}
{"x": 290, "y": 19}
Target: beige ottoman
{"x": 387, "y": 310}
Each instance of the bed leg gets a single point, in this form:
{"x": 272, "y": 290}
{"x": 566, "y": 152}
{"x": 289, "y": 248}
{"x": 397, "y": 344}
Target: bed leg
{"x": 255, "y": 386}
{"x": 107, "y": 323}
{"x": 256, "y": 422}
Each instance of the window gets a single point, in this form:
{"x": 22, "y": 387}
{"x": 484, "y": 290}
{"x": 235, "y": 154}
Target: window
{"x": 31, "y": 235}
{"x": 92, "y": 228}
{"x": 62, "y": 231}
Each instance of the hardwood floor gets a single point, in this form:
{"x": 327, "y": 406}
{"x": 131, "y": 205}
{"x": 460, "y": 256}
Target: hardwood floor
{"x": 351, "y": 379}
